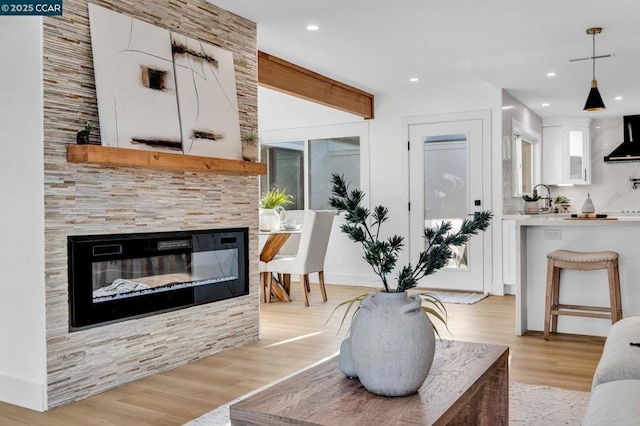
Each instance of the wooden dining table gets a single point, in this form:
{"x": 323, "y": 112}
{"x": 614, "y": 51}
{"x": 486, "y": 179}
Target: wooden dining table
{"x": 275, "y": 240}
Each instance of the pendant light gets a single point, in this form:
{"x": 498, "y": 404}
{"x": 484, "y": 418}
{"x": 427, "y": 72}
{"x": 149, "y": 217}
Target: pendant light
{"x": 594, "y": 100}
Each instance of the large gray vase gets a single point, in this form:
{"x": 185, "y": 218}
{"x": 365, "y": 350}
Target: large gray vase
{"x": 391, "y": 344}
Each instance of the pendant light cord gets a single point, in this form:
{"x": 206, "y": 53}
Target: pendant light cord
{"x": 594, "y": 56}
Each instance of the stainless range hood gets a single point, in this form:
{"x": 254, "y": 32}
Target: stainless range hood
{"x": 629, "y": 150}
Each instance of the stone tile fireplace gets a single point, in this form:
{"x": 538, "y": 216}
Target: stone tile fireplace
{"x": 82, "y": 200}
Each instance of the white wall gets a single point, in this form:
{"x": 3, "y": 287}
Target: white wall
{"x": 22, "y": 301}
{"x": 610, "y": 188}
{"x": 278, "y": 111}
{"x": 389, "y": 174}
{"x": 388, "y": 171}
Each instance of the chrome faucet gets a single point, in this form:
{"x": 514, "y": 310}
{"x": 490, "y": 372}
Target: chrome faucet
{"x": 549, "y": 200}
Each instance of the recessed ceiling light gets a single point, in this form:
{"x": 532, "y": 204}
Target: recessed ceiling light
{"x": 618, "y": 98}
{"x": 414, "y": 79}
{"x": 507, "y": 107}
{"x": 546, "y": 104}
{"x": 551, "y": 74}
{"x": 313, "y": 27}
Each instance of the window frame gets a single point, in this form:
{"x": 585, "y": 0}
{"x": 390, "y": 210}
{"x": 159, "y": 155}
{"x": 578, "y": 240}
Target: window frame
{"x": 308, "y": 134}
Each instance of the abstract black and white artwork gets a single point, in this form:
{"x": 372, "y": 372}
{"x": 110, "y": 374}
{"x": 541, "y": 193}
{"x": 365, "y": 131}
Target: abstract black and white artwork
{"x": 162, "y": 91}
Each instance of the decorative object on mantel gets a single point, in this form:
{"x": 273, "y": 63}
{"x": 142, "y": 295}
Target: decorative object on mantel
{"x": 392, "y": 342}
{"x": 163, "y": 91}
{"x": 531, "y": 204}
{"x": 107, "y": 156}
{"x": 82, "y": 138}
{"x": 250, "y": 147}
{"x": 588, "y": 206}
{"x": 272, "y": 208}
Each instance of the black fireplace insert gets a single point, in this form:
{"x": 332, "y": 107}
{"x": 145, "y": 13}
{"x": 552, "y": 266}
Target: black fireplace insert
{"x": 122, "y": 276}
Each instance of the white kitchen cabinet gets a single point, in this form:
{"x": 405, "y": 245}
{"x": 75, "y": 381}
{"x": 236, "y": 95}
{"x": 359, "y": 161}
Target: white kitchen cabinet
{"x": 566, "y": 151}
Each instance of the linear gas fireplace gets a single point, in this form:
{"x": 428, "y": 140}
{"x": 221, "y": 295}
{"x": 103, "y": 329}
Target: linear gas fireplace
{"x": 117, "y": 277}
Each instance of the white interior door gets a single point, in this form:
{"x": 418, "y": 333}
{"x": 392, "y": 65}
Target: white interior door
{"x": 446, "y": 184}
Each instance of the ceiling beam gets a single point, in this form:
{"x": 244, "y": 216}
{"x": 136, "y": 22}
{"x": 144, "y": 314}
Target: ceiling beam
{"x": 282, "y": 76}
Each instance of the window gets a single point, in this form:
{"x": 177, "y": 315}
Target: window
{"x": 303, "y": 166}
{"x": 525, "y": 159}
{"x": 328, "y": 156}
{"x": 285, "y": 170}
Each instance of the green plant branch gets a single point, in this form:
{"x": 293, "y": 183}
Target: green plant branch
{"x": 349, "y": 304}
{"x": 382, "y": 256}
{"x": 363, "y": 226}
{"x": 527, "y": 197}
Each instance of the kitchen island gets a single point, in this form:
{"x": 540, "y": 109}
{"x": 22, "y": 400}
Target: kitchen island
{"x": 538, "y": 235}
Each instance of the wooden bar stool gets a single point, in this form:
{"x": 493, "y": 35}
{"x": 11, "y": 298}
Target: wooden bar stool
{"x": 582, "y": 261}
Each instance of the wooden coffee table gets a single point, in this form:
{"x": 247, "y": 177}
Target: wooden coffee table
{"x": 468, "y": 385}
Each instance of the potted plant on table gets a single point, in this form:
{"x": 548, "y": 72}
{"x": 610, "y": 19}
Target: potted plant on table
{"x": 392, "y": 341}
{"x": 271, "y": 205}
{"x": 531, "y": 204}
{"x": 562, "y": 204}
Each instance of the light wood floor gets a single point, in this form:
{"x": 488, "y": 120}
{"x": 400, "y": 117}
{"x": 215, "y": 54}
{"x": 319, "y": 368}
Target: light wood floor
{"x": 294, "y": 337}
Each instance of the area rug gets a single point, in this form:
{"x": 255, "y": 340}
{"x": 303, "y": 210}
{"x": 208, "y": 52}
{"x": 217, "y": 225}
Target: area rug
{"x": 529, "y": 405}
{"x": 457, "y": 296}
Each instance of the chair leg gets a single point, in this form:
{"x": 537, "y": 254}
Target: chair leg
{"x": 307, "y": 285}
{"x": 269, "y": 280}
{"x": 322, "y": 289}
{"x": 287, "y": 283}
{"x": 614, "y": 291}
{"x": 618, "y": 294}
{"x": 548, "y": 298}
{"x": 304, "y": 282}
{"x": 263, "y": 285}
{"x": 555, "y": 300}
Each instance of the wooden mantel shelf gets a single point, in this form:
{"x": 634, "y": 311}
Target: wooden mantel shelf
{"x": 109, "y": 156}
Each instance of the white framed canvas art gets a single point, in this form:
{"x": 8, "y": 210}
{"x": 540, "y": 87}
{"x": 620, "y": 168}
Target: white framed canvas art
{"x": 162, "y": 91}
{"x": 207, "y": 98}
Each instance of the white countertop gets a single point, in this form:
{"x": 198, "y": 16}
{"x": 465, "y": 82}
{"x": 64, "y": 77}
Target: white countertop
{"x": 562, "y": 220}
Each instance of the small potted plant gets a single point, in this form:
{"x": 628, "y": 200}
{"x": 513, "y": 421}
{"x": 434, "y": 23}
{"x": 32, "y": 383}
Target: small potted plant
{"x": 82, "y": 138}
{"x": 271, "y": 205}
{"x": 562, "y": 204}
{"x": 531, "y": 205}
{"x": 392, "y": 342}
{"x": 249, "y": 146}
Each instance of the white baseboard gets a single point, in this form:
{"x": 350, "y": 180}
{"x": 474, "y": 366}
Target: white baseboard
{"x": 372, "y": 281}
{"x": 22, "y": 392}
{"x": 509, "y": 289}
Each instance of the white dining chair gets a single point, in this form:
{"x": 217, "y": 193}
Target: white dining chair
{"x": 290, "y": 248}
{"x": 310, "y": 256}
